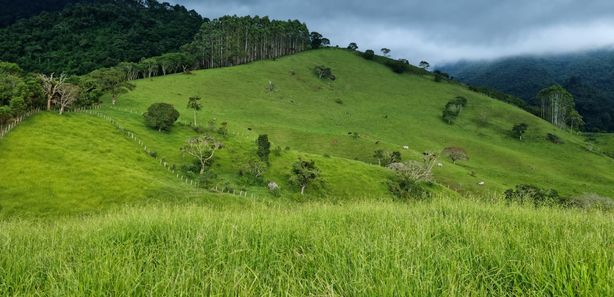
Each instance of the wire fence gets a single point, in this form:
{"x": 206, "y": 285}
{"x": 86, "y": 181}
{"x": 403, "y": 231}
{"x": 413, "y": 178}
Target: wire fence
{"x": 5, "y": 130}
{"x": 161, "y": 161}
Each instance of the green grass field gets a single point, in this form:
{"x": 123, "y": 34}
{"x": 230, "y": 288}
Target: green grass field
{"x": 445, "y": 247}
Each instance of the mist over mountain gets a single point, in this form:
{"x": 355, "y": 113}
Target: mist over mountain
{"x": 588, "y": 76}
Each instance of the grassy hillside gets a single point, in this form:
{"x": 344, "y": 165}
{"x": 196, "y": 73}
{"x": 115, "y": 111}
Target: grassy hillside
{"x": 77, "y": 163}
{"x": 388, "y": 111}
{"x": 441, "y": 248}
{"x": 80, "y": 163}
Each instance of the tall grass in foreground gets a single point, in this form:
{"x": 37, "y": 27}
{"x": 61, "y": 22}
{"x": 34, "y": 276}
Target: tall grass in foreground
{"x": 437, "y": 248}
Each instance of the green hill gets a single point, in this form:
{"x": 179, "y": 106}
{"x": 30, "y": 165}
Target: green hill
{"x": 387, "y": 110}
{"x": 304, "y": 116}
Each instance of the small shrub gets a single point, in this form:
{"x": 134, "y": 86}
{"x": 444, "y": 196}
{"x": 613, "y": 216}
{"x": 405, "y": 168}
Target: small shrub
{"x": 153, "y": 154}
{"x": 554, "y": 139}
{"x": 323, "y": 72}
{"x": 223, "y": 129}
{"x": 274, "y": 189}
{"x": 339, "y": 101}
{"x": 264, "y": 147}
{"x": 403, "y": 188}
{"x": 534, "y": 195}
{"x": 397, "y": 66}
{"x": 277, "y": 151}
{"x": 519, "y": 129}
{"x": 592, "y": 201}
{"x": 212, "y": 125}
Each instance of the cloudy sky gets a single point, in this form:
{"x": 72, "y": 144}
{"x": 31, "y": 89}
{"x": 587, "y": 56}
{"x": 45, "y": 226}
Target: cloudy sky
{"x": 441, "y": 30}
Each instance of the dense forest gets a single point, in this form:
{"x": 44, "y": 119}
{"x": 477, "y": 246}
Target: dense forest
{"x": 86, "y": 36}
{"x": 587, "y": 76}
{"x": 13, "y": 11}
{"x": 232, "y": 40}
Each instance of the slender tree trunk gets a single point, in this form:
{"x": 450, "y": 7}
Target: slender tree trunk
{"x": 303, "y": 189}
{"x": 195, "y": 118}
{"x": 49, "y": 99}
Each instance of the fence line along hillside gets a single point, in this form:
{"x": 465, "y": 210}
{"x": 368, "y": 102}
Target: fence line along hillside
{"x": 161, "y": 161}
{"x": 5, "y": 130}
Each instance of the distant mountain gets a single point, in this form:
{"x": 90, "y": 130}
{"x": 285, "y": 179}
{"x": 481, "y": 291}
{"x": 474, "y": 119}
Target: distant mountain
{"x": 13, "y": 11}
{"x": 94, "y": 34}
{"x": 589, "y": 76}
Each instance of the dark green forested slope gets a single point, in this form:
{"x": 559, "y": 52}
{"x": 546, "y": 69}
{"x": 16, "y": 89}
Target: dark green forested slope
{"x": 87, "y": 36}
{"x": 587, "y": 76}
{"x": 13, "y": 11}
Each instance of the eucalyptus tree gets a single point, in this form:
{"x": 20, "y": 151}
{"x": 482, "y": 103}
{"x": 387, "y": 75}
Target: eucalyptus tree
{"x": 557, "y": 105}
{"x": 232, "y": 40}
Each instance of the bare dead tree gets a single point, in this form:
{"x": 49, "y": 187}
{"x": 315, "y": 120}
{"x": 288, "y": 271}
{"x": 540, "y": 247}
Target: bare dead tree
{"x": 67, "y": 94}
{"x": 50, "y": 85}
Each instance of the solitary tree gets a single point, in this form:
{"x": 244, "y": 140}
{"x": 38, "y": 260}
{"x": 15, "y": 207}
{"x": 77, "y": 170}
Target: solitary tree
{"x": 424, "y": 65}
{"x": 264, "y": 147}
{"x": 194, "y": 104}
{"x": 50, "y": 85}
{"x": 455, "y": 154}
{"x": 67, "y": 94}
{"x": 317, "y": 40}
{"x": 453, "y": 109}
{"x": 379, "y": 155}
{"x": 519, "y": 129}
{"x": 202, "y": 148}
{"x": 385, "y": 51}
{"x": 368, "y": 54}
{"x": 353, "y": 46}
{"x": 304, "y": 173}
{"x": 161, "y": 116}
